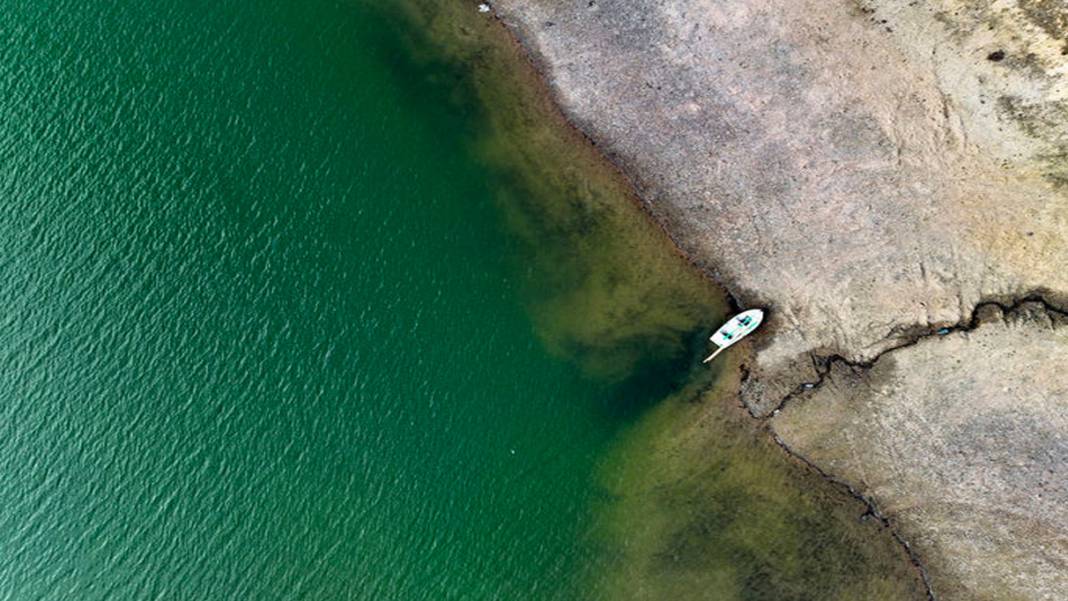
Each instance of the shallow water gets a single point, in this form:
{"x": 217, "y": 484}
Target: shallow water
{"x": 289, "y": 313}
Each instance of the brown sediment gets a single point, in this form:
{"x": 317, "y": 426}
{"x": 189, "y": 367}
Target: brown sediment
{"x": 705, "y": 501}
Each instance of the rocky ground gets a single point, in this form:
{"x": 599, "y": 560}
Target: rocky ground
{"x": 871, "y": 172}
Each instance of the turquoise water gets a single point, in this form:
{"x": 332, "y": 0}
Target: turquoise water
{"x": 264, "y": 334}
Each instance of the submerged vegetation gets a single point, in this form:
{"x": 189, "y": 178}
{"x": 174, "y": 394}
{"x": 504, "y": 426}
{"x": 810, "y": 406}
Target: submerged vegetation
{"x": 604, "y": 285}
{"x": 698, "y": 501}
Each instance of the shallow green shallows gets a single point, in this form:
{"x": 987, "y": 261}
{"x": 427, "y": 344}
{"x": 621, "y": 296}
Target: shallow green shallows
{"x": 289, "y": 311}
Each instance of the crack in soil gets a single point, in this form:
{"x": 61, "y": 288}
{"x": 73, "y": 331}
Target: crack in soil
{"x": 871, "y": 511}
{"x": 823, "y": 365}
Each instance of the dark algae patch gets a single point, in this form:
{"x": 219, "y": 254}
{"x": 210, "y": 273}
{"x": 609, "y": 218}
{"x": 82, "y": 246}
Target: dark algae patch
{"x": 695, "y": 500}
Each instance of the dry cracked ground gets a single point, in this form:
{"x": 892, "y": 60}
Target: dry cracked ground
{"x": 890, "y": 179}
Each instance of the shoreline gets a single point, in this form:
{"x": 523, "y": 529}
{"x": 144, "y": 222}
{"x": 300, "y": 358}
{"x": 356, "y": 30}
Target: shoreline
{"x": 539, "y": 84}
{"x": 535, "y": 79}
{"x": 544, "y": 89}
{"x": 931, "y": 203}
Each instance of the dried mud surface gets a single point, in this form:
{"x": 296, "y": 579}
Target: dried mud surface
{"x": 963, "y": 443}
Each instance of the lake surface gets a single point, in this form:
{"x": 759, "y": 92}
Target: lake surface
{"x": 274, "y": 327}
{"x": 262, "y": 336}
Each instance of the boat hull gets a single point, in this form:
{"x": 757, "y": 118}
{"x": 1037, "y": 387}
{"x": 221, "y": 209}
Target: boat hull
{"x": 736, "y": 328}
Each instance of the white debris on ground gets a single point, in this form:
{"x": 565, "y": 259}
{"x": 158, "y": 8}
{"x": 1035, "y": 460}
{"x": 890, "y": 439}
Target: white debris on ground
{"x": 483, "y": 8}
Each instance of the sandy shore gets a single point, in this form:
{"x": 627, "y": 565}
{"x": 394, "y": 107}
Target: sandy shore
{"x": 872, "y": 173}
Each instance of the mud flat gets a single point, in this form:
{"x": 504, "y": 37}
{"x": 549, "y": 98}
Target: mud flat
{"x": 872, "y": 172}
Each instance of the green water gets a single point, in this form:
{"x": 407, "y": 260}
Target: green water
{"x": 284, "y": 316}
{"x": 262, "y": 336}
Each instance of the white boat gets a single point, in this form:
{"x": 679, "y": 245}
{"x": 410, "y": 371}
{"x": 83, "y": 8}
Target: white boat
{"x": 736, "y": 328}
